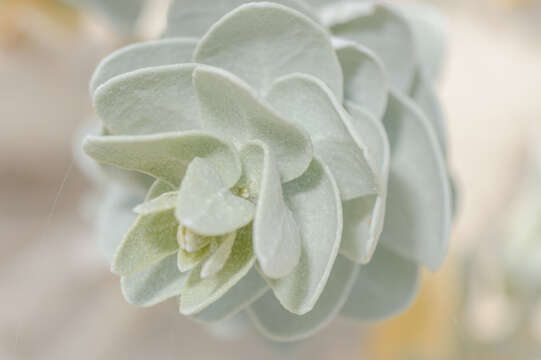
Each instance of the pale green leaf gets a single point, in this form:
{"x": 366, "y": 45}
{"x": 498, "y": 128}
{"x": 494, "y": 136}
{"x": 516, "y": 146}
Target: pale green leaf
{"x": 353, "y": 173}
{"x": 166, "y": 156}
{"x": 200, "y": 293}
{"x": 148, "y": 101}
{"x": 142, "y": 55}
{"x": 384, "y": 30}
{"x": 276, "y": 235}
{"x": 280, "y": 325}
{"x": 194, "y": 18}
{"x": 152, "y": 238}
{"x": 424, "y": 95}
{"x": 309, "y": 103}
{"x": 232, "y": 110}
{"x": 163, "y": 202}
{"x": 384, "y": 287}
{"x": 115, "y": 217}
{"x": 187, "y": 261}
{"x": 105, "y": 174}
{"x": 217, "y": 260}
{"x": 207, "y": 206}
{"x": 365, "y": 80}
{"x": 191, "y": 241}
{"x": 364, "y": 217}
{"x": 315, "y": 202}
{"x": 418, "y": 217}
{"x": 242, "y": 295}
{"x": 157, "y": 189}
{"x": 261, "y": 42}
{"x": 155, "y": 284}
{"x": 430, "y": 33}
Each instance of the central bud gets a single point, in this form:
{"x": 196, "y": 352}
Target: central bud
{"x": 190, "y": 241}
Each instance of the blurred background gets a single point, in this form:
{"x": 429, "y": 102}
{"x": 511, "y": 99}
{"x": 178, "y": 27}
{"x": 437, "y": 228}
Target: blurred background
{"x": 59, "y": 301}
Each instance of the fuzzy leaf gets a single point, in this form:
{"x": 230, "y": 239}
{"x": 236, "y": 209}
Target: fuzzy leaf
{"x": 418, "y": 217}
{"x": 155, "y": 284}
{"x": 206, "y": 206}
{"x": 314, "y": 199}
{"x": 424, "y": 95}
{"x": 217, "y": 260}
{"x": 115, "y": 218}
{"x": 232, "y": 110}
{"x": 163, "y": 202}
{"x": 166, "y": 156}
{"x": 261, "y": 42}
{"x": 364, "y": 217}
{"x": 381, "y": 28}
{"x": 276, "y": 235}
{"x": 200, "y": 293}
{"x": 194, "y": 18}
{"x": 430, "y": 33}
{"x": 384, "y": 287}
{"x": 365, "y": 80}
{"x": 280, "y": 325}
{"x": 152, "y": 238}
{"x": 187, "y": 261}
{"x": 308, "y": 102}
{"x": 157, "y": 189}
{"x": 242, "y": 295}
{"x": 148, "y": 101}
{"x": 142, "y": 55}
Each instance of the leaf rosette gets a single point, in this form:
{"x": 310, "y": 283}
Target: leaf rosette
{"x": 298, "y": 161}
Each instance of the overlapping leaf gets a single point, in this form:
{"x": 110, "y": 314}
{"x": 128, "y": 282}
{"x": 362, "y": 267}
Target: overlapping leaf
{"x": 315, "y": 202}
{"x": 166, "y": 156}
{"x": 148, "y": 101}
{"x": 418, "y": 216}
{"x": 194, "y": 18}
{"x": 230, "y": 109}
{"x": 207, "y": 206}
{"x": 142, "y": 55}
{"x": 276, "y": 234}
{"x": 254, "y": 42}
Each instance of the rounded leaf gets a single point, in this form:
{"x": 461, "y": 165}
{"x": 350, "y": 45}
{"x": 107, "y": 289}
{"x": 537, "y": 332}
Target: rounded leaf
{"x": 280, "y": 325}
{"x": 152, "y": 238}
{"x": 242, "y": 295}
{"x": 194, "y": 18}
{"x": 309, "y": 103}
{"x": 364, "y": 217}
{"x": 365, "y": 80}
{"x": 424, "y": 95}
{"x": 430, "y": 33}
{"x": 419, "y": 204}
{"x": 142, "y": 55}
{"x": 208, "y": 207}
{"x": 155, "y": 284}
{"x": 384, "y": 287}
{"x": 383, "y": 29}
{"x": 166, "y": 156}
{"x": 276, "y": 235}
{"x": 314, "y": 199}
{"x": 115, "y": 217}
{"x": 260, "y": 42}
{"x": 148, "y": 101}
{"x": 200, "y": 293}
{"x": 230, "y": 109}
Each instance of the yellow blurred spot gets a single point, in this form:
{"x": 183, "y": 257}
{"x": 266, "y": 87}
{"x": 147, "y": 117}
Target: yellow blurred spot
{"x": 426, "y": 330}
{"x": 18, "y": 18}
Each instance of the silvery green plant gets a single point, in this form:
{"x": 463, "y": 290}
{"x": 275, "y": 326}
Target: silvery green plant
{"x": 292, "y": 156}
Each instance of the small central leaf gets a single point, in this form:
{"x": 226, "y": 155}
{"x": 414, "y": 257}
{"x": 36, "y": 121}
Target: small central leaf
{"x": 206, "y": 206}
